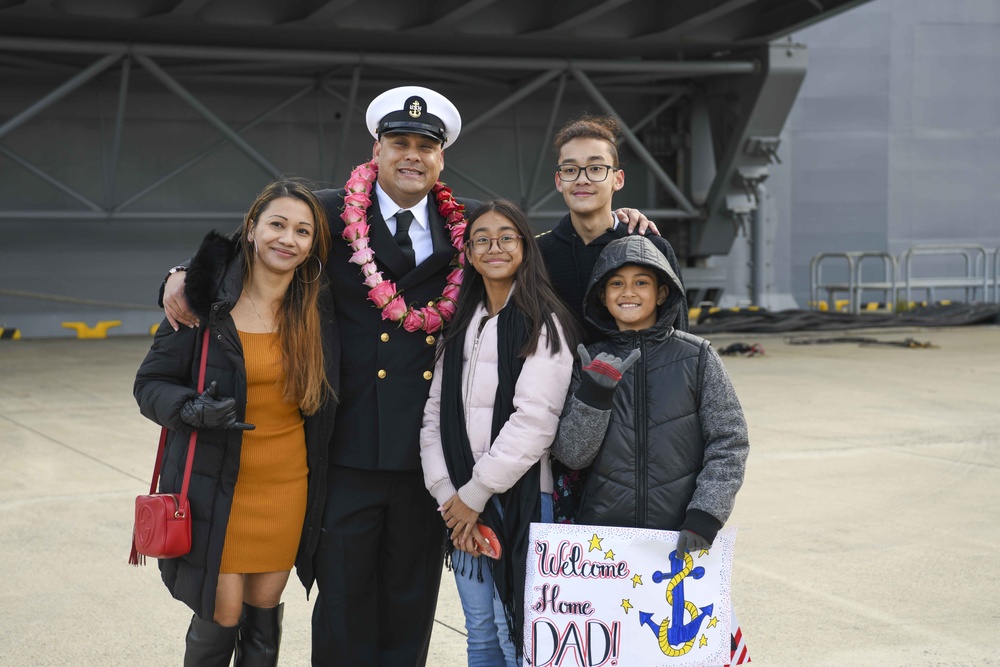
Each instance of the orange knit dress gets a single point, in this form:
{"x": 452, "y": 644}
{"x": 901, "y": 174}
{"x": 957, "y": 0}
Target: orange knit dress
{"x": 269, "y": 503}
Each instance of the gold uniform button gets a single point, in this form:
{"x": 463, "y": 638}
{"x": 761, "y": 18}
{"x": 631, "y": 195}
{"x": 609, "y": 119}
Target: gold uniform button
{"x": 430, "y": 303}
{"x": 429, "y": 340}
{"x": 428, "y": 375}
{"x": 381, "y": 375}
{"x": 384, "y": 337}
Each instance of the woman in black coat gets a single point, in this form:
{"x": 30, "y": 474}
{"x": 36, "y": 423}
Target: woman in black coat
{"x": 263, "y": 296}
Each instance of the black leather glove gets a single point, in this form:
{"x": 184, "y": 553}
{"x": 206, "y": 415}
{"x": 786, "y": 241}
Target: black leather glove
{"x": 689, "y": 541}
{"x": 606, "y": 369}
{"x": 210, "y": 411}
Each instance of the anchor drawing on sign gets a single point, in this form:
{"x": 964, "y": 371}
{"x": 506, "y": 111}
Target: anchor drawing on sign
{"x": 679, "y": 639}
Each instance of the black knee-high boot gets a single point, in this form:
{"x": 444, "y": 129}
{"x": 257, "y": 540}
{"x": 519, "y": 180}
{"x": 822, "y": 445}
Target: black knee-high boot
{"x": 209, "y": 644}
{"x": 260, "y": 636}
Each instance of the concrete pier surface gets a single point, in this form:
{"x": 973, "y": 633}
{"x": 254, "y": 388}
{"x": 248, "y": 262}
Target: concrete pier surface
{"x": 869, "y": 520}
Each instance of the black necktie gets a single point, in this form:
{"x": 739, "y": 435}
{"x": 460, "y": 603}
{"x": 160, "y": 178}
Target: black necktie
{"x": 402, "y": 236}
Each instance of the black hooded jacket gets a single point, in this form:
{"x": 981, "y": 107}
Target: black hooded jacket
{"x": 167, "y": 379}
{"x": 668, "y": 445}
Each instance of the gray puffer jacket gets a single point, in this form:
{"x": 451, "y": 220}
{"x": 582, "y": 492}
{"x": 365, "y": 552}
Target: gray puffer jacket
{"x": 668, "y": 446}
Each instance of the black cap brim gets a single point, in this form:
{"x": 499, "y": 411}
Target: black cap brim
{"x": 409, "y": 127}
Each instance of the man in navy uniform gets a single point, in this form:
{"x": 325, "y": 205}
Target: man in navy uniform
{"x": 378, "y": 560}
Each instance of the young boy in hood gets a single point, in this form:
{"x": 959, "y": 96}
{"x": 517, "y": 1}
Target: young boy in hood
{"x": 663, "y": 430}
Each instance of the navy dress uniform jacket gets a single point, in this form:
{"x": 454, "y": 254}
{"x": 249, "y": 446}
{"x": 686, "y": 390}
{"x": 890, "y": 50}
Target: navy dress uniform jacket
{"x": 386, "y": 371}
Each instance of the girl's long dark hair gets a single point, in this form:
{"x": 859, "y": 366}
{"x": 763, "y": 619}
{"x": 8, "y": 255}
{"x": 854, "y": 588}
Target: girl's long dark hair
{"x": 533, "y": 291}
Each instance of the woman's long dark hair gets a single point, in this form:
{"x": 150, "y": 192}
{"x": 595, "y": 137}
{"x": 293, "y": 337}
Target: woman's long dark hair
{"x": 299, "y": 328}
{"x": 533, "y": 291}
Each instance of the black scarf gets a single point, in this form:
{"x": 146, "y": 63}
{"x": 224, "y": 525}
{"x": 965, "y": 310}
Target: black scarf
{"x": 521, "y": 503}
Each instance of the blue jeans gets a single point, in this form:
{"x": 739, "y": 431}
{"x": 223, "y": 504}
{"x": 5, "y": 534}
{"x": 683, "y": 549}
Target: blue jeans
{"x": 488, "y": 644}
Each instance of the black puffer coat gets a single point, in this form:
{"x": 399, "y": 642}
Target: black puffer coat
{"x": 675, "y": 448}
{"x": 167, "y": 379}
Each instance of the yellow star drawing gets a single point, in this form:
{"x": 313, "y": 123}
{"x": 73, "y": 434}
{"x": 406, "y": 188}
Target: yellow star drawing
{"x": 703, "y": 641}
{"x": 609, "y": 555}
{"x": 712, "y": 622}
{"x": 703, "y": 552}
{"x": 626, "y": 605}
{"x": 637, "y": 580}
{"x": 595, "y": 543}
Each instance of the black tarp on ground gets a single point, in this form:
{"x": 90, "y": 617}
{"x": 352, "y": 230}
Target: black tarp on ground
{"x": 762, "y": 321}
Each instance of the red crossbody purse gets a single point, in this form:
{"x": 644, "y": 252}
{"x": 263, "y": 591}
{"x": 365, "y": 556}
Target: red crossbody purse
{"x": 163, "y": 520}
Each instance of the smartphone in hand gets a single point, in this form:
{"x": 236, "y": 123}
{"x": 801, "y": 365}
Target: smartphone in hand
{"x": 490, "y": 537}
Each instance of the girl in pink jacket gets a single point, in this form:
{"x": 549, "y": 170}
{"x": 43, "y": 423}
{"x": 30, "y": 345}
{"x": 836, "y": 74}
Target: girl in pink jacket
{"x": 503, "y": 369}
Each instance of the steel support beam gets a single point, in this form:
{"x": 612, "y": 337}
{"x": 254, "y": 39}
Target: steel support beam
{"x": 660, "y": 108}
{"x": 51, "y": 180}
{"x": 276, "y": 81}
{"x": 535, "y": 207}
{"x": 472, "y": 181}
{"x": 204, "y": 111}
{"x": 426, "y": 73}
{"x": 518, "y": 155}
{"x": 333, "y": 92}
{"x": 688, "y": 16}
{"x": 212, "y": 149}
{"x": 647, "y": 158}
{"x": 330, "y": 9}
{"x": 73, "y": 216}
{"x": 111, "y": 175}
{"x": 345, "y": 129}
{"x": 59, "y": 93}
{"x": 676, "y": 68}
{"x": 549, "y": 128}
{"x": 320, "y": 135}
{"x": 460, "y": 13}
{"x": 759, "y": 248}
{"x": 511, "y": 100}
{"x": 580, "y": 18}
{"x": 36, "y": 65}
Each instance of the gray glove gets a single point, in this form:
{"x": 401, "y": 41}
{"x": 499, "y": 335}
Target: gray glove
{"x": 688, "y": 541}
{"x": 606, "y": 369}
{"x": 210, "y": 411}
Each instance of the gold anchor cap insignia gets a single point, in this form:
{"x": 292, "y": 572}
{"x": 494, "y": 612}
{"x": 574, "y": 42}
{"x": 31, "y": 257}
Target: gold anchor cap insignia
{"x": 415, "y": 109}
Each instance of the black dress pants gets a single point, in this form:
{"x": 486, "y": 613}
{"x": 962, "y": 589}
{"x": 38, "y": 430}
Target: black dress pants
{"x": 378, "y": 569}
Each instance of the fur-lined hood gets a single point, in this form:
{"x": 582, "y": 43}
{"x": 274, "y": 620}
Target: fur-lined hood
{"x": 215, "y": 273}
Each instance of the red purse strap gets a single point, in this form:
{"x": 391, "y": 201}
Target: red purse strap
{"x": 194, "y": 434}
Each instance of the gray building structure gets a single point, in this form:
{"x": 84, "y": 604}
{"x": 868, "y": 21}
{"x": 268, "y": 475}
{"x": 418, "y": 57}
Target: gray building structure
{"x": 894, "y": 140}
{"x": 127, "y": 130}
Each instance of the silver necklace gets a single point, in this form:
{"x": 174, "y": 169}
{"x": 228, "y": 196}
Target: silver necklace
{"x": 253, "y": 304}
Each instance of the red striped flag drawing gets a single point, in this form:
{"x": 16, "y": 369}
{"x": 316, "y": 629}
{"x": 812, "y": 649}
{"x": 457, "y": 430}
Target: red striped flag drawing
{"x": 738, "y": 645}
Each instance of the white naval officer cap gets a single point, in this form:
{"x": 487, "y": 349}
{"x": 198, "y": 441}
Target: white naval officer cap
{"x": 414, "y": 110}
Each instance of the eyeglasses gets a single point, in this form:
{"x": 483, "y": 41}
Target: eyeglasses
{"x": 595, "y": 172}
{"x": 482, "y": 244}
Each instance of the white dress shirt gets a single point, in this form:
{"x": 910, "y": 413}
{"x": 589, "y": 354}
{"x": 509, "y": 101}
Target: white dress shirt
{"x": 420, "y": 228}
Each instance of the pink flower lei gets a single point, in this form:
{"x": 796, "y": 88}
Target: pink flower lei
{"x": 383, "y": 293}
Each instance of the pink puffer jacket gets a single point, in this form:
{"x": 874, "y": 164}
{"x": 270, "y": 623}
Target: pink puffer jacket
{"x": 523, "y": 440}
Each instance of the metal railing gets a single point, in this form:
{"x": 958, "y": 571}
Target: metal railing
{"x": 977, "y": 271}
{"x": 996, "y": 275}
{"x": 855, "y": 286}
{"x": 981, "y": 275}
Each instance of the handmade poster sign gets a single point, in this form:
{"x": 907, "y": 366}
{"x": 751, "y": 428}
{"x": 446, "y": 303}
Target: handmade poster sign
{"x": 601, "y": 596}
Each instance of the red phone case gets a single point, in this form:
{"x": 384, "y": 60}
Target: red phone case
{"x": 491, "y": 537}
